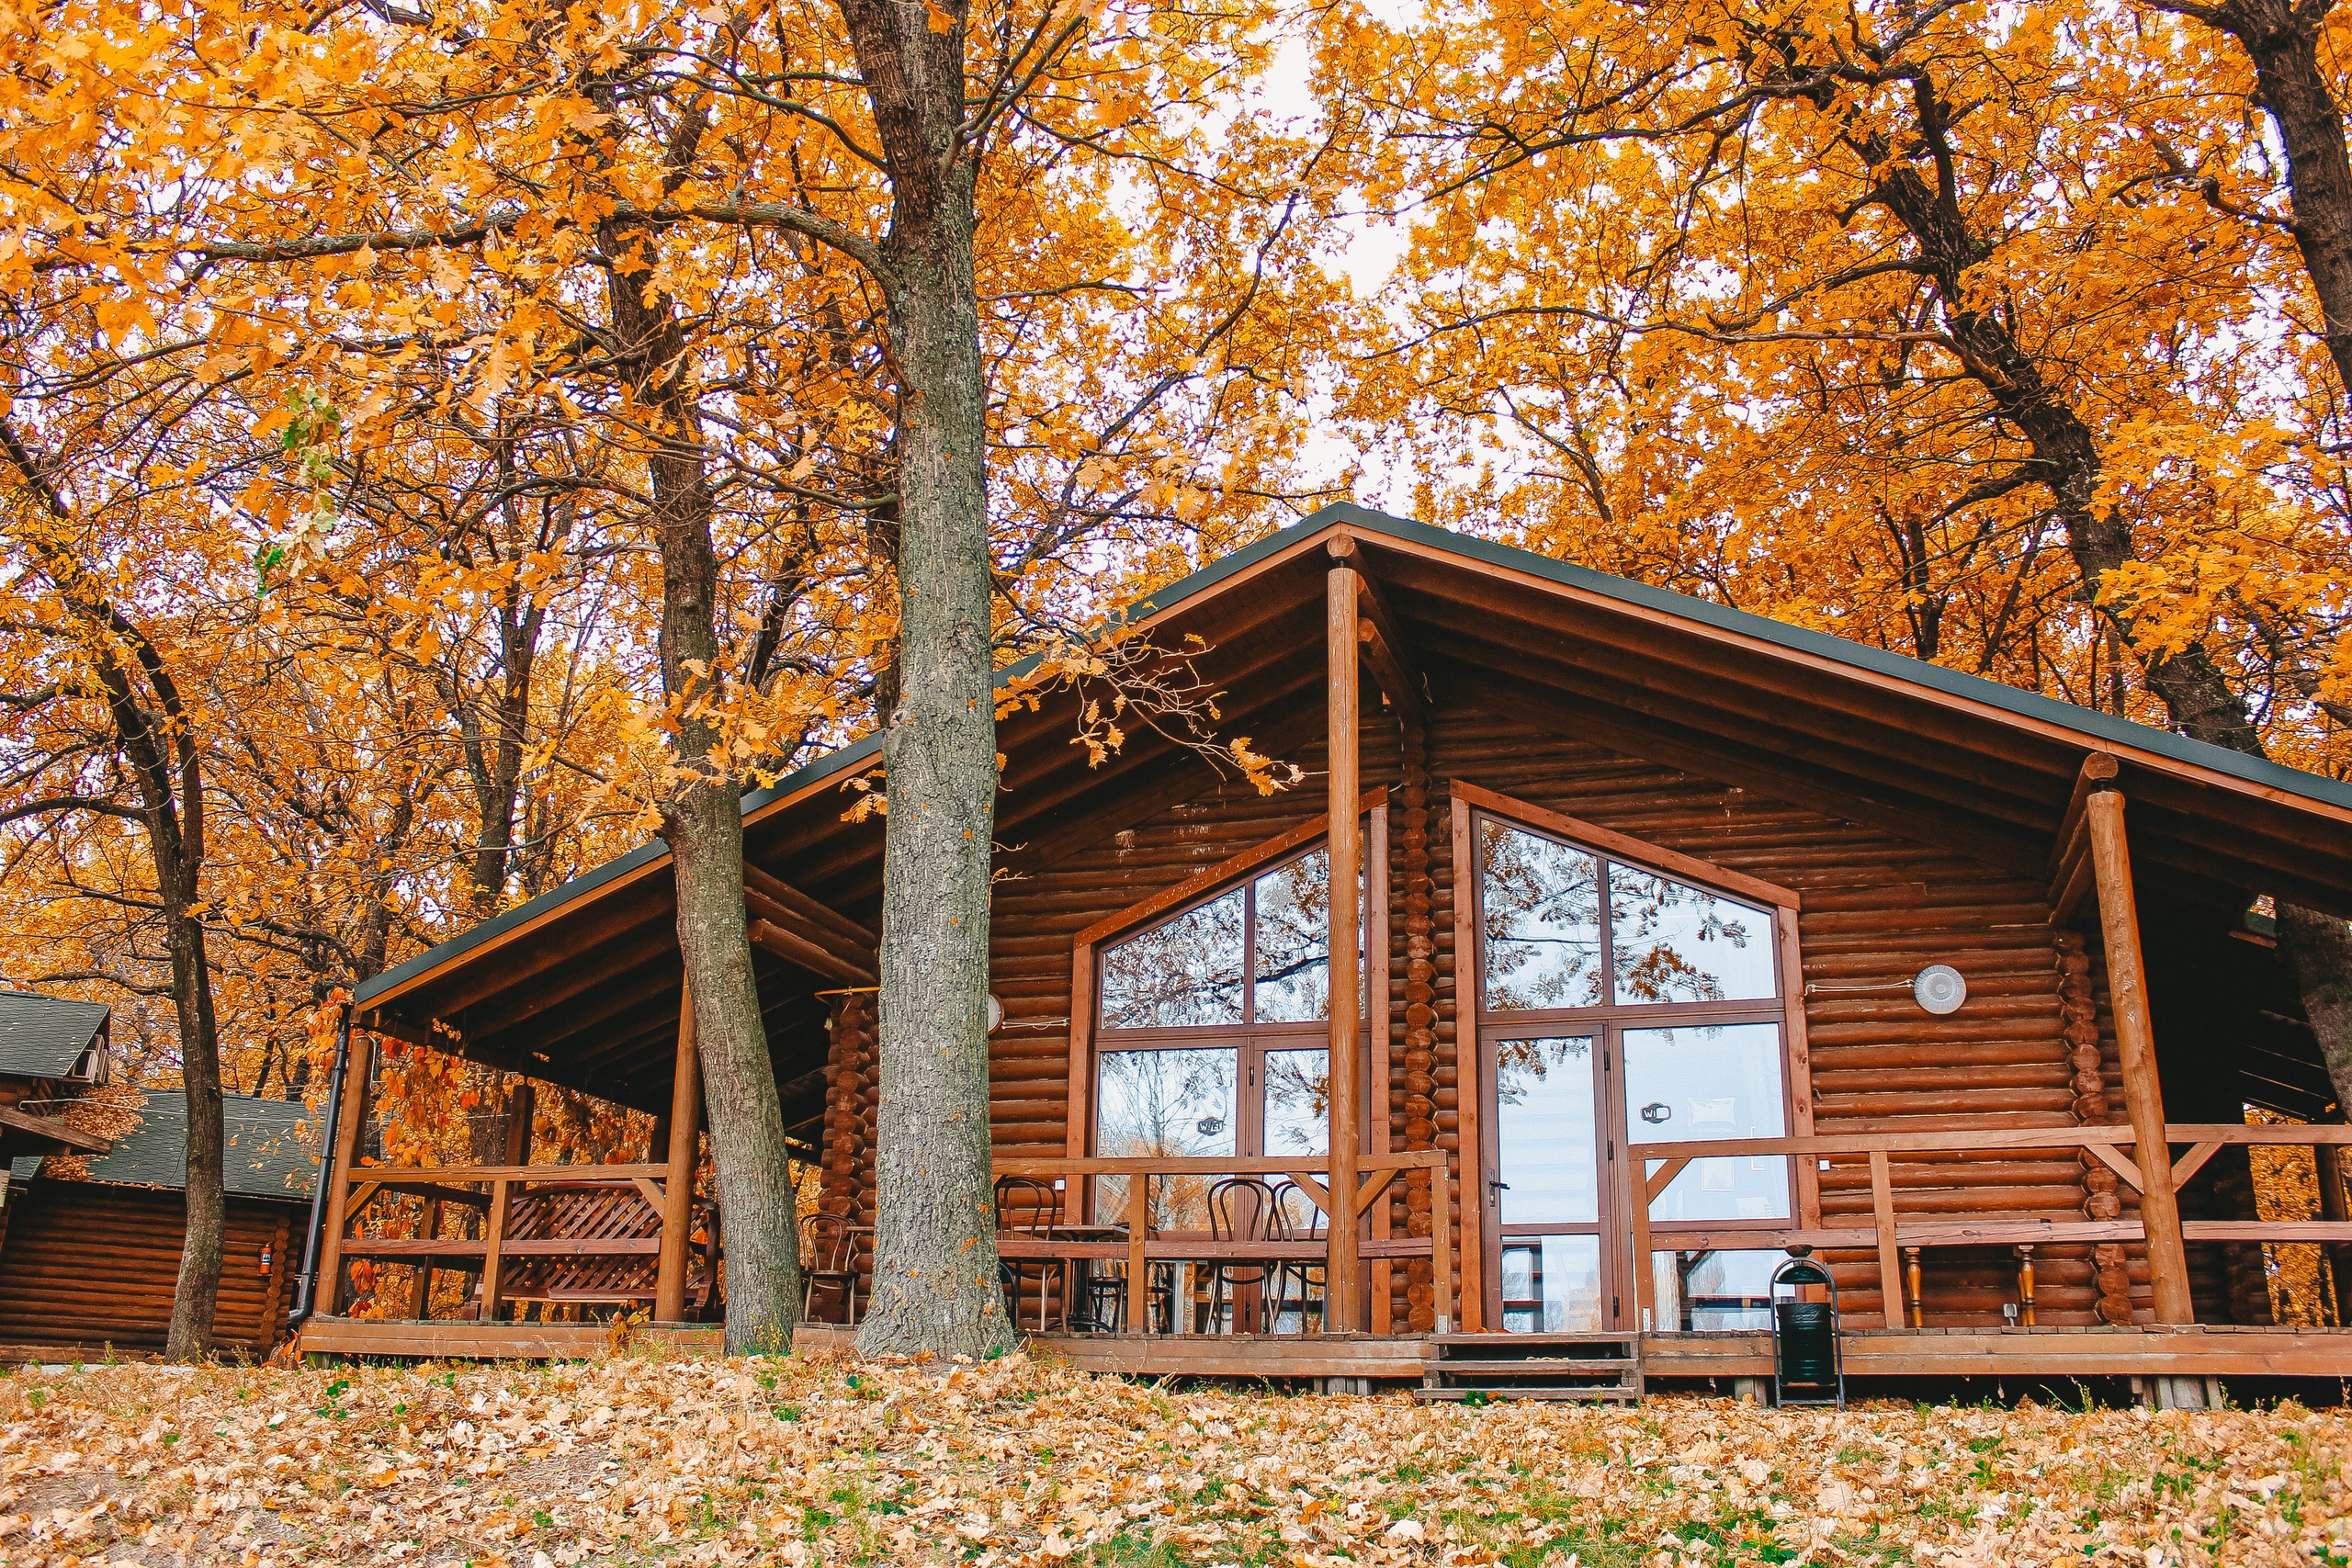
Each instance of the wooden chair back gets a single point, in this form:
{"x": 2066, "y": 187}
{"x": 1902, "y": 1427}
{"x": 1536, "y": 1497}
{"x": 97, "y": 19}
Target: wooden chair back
{"x": 1027, "y": 1203}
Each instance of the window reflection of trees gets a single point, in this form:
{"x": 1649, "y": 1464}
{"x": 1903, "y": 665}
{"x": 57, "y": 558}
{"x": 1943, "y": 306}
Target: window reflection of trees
{"x": 1166, "y": 1105}
{"x": 1522, "y": 1064}
{"x": 1293, "y": 941}
{"x": 1541, "y": 917}
{"x": 1299, "y": 1102}
{"x": 1544, "y": 909}
{"x": 1182, "y": 973}
{"x": 1652, "y": 921}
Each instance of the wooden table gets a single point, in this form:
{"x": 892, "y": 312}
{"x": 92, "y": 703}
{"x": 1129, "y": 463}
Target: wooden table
{"x": 1077, "y": 1248}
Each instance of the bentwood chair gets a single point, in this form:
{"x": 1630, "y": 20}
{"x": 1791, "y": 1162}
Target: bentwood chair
{"x": 1026, "y": 1205}
{"x": 1241, "y": 1209}
{"x": 1299, "y": 1285}
{"x": 829, "y": 1258}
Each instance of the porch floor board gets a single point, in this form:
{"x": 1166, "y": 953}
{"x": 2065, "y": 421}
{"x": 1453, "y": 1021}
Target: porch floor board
{"x": 2144, "y": 1350}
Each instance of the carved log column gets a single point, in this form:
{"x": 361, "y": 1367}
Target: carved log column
{"x": 2102, "y": 1200}
{"x": 849, "y": 1066}
{"x": 1421, "y": 1014}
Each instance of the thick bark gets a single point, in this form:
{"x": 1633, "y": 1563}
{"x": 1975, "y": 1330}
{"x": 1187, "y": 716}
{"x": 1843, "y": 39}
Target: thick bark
{"x": 197, "y": 1294}
{"x": 153, "y": 736}
{"x": 935, "y": 1262}
{"x": 2282, "y": 39}
{"x": 703, "y": 822}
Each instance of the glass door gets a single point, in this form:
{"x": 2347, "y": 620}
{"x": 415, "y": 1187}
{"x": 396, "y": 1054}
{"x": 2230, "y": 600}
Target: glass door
{"x": 1547, "y": 1188}
{"x": 1621, "y": 1011}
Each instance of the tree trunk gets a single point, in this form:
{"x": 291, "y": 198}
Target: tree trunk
{"x": 702, "y": 821}
{"x": 935, "y": 1285}
{"x": 195, "y": 1295}
{"x": 2282, "y": 39}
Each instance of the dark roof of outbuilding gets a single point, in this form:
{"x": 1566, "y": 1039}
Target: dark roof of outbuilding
{"x": 265, "y": 1156}
{"x": 42, "y": 1037}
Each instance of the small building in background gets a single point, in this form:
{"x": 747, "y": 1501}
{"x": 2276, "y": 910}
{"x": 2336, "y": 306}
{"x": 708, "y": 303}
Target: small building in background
{"x": 87, "y": 1266}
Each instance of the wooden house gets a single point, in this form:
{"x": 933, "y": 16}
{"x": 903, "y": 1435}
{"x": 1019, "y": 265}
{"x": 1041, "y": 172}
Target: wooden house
{"x": 1689, "y": 938}
{"x": 88, "y": 1263}
{"x": 53, "y": 1051}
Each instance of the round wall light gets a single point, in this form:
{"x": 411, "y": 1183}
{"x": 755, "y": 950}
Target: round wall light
{"x": 1940, "y": 989}
{"x": 996, "y": 1014}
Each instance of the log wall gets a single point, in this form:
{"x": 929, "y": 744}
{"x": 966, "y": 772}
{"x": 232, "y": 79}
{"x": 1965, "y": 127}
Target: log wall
{"x": 2033, "y": 1045}
{"x": 87, "y": 1265}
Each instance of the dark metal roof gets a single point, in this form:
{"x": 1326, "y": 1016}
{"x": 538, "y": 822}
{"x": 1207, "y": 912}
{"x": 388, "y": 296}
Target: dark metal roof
{"x": 263, "y": 1158}
{"x": 2030, "y": 708}
{"x": 42, "y": 1037}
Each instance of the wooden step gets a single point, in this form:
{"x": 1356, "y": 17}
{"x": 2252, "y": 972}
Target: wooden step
{"x": 1598, "y": 1392}
{"x": 1517, "y": 1340}
{"x": 1576, "y": 1366}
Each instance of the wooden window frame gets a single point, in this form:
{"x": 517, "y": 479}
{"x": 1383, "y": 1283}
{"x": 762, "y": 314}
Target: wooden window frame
{"x": 1474, "y": 1024}
{"x": 1200, "y": 887}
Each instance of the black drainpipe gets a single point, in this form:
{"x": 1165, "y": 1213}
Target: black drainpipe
{"x": 306, "y": 1283}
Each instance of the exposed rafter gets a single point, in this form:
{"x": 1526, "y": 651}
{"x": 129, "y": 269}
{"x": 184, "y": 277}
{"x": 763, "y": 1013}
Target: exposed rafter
{"x": 1385, "y": 651}
{"x": 797, "y": 928}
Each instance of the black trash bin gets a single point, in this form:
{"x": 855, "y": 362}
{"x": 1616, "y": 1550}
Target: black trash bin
{"x": 1808, "y": 1363}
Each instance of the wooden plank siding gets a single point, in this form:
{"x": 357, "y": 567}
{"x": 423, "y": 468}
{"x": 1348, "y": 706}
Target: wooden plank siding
{"x": 1877, "y": 907}
{"x": 86, "y": 1266}
{"x": 1876, "y": 910}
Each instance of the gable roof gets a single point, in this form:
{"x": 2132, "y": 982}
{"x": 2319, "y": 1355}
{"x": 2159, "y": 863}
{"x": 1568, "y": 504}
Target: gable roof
{"x": 1818, "y": 720}
{"x": 264, "y": 1156}
{"x": 43, "y": 1037}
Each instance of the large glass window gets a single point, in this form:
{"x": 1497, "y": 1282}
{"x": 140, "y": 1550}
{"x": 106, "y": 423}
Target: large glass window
{"x": 1622, "y": 1011}
{"x": 1701, "y": 1082}
{"x": 1559, "y": 934}
{"x": 1212, "y": 1033}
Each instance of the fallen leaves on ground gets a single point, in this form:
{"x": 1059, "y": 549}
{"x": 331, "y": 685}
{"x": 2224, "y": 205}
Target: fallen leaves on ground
{"x": 803, "y": 1462}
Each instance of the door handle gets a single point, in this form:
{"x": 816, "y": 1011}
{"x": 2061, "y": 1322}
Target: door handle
{"x": 1494, "y": 1189}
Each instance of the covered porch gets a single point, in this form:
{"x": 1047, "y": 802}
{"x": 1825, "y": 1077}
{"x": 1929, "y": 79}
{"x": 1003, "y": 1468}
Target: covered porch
{"x": 1650, "y": 894}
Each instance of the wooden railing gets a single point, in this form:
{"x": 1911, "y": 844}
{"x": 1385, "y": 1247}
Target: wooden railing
{"x": 1310, "y": 1173}
{"x": 1891, "y": 1235}
{"x": 491, "y": 1190}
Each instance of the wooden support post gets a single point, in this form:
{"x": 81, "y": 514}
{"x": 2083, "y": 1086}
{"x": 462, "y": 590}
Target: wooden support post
{"x": 420, "y": 1287}
{"x": 358, "y": 1072}
{"x": 1342, "y": 1286}
{"x": 1911, "y": 1280}
{"x": 2334, "y": 1205}
{"x": 493, "y": 1238}
{"x": 1442, "y": 1247}
{"x": 1384, "y": 1282}
{"x": 1471, "y": 1199}
{"x": 2136, "y": 1044}
{"x": 1139, "y": 1265}
{"x": 1889, "y": 1281}
{"x": 522, "y": 1102}
{"x": 2025, "y": 1285}
{"x": 678, "y": 1194}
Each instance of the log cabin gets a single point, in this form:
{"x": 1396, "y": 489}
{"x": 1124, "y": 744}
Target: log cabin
{"x": 88, "y": 1263}
{"x": 1685, "y": 942}
{"x": 53, "y": 1051}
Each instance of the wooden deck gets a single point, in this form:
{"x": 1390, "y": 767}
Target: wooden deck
{"x": 2197, "y": 1350}
{"x": 2191, "y": 1350}
{"x": 361, "y": 1338}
